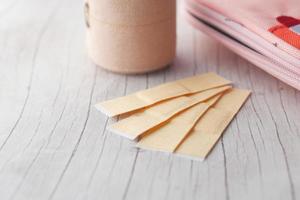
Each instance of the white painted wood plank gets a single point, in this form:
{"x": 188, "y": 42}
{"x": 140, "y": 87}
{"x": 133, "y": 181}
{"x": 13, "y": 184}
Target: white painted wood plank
{"x": 54, "y": 144}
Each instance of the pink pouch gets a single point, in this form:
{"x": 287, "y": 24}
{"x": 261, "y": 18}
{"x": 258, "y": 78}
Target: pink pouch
{"x": 268, "y": 45}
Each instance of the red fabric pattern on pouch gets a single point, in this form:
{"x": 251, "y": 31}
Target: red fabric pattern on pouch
{"x": 288, "y": 21}
{"x": 283, "y": 31}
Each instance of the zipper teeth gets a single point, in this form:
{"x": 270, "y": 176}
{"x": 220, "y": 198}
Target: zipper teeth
{"x": 292, "y": 76}
{"x": 281, "y": 71}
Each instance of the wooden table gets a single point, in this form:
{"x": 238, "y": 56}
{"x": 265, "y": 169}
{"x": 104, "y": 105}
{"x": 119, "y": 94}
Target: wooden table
{"x": 54, "y": 144}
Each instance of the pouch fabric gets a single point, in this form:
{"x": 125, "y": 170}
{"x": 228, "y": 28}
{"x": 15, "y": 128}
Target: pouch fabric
{"x": 271, "y": 34}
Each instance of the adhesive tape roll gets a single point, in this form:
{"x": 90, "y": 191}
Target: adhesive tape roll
{"x": 133, "y": 36}
{"x": 132, "y": 12}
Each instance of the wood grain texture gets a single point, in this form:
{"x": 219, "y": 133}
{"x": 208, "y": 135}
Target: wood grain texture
{"x": 54, "y": 144}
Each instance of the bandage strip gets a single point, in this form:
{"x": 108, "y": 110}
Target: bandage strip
{"x": 209, "y": 128}
{"x": 142, "y": 121}
{"x": 170, "y": 135}
{"x": 162, "y": 92}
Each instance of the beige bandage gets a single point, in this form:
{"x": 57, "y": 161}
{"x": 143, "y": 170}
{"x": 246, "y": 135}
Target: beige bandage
{"x": 210, "y": 127}
{"x": 170, "y": 135}
{"x": 162, "y": 92}
{"x": 140, "y": 122}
